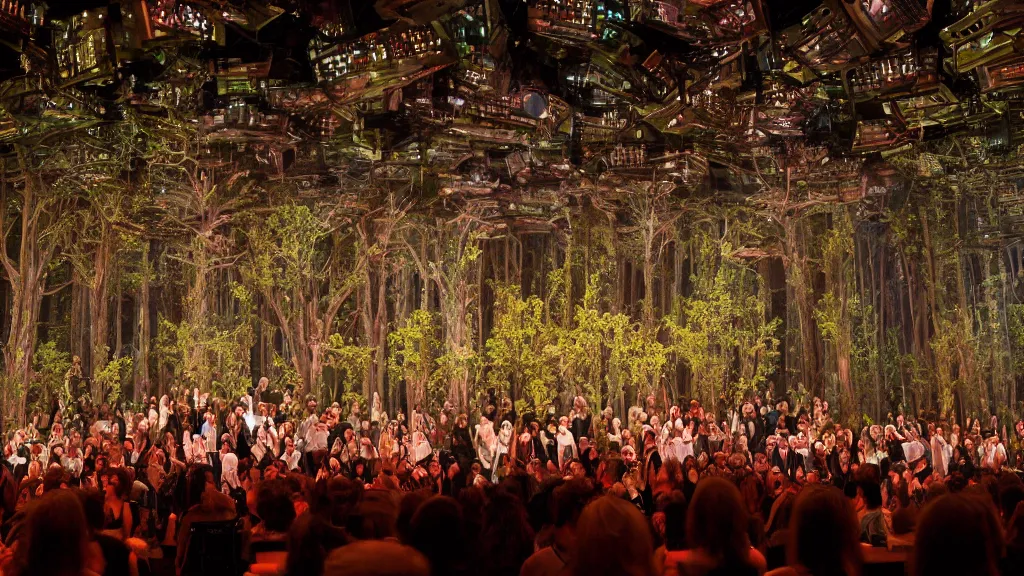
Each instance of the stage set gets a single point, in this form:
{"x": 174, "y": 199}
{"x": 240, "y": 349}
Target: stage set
{"x": 511, "y": 287}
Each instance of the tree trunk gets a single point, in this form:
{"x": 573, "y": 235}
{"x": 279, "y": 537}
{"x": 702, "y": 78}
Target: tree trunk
{"x": 99, "y": 308}
{"x": 77, "y": 313}
{"x": 932, "y": 271}
{"x": 27, "y": 277}
{"x": 796, "y": 270}
{"x": 380, "y": 329}
{"x": 21, "y": 343}
{"x": 118, "y": 311}
{"x": 141, "y": 363}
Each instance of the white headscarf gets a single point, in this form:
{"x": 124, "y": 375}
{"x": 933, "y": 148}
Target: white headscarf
{"x": 375, "y": 408}
{"x": 229, "y": 473}
{"x": 566, "y": 446}
{"x": 615, "y": 433}
{"x": 195, "y": 448}
{"x": 420, "y": 446}
{"x": 503, "y": 445}
{"x": 165, "y": 412}
{"x": 486, "y": 443}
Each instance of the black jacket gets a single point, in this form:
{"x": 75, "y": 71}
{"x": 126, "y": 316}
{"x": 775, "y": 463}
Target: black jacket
{"x": 895, "y": 450}
{"x": 787, "y": 465}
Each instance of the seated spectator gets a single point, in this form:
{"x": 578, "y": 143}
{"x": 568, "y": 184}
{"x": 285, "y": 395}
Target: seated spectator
{"x": 824, "y": 538}
{"x": 506, "y": 536}
{"x": 205, "y": 503}
{"x": 873, "y": 526}
{"x": 53, "y": 539}
{"x": 438, "y": 532}
{"x": 410, "y": 503}
{"x": 375, "y": 516}
{"x": 673, "y": 520}
{"x": 311, "y": 539}
{"x": 117, "y": 513}
{"x": 376, "y": 558}
{"x": 275, "y": 509}
{"x": 958, "y": 534}
{"x": 1014, "y": 558}
{"x": 567, "y": 503}
{"x": 716, "y": 526}
{"x": 612, "y": 539}
{"x": 118, "y": 558}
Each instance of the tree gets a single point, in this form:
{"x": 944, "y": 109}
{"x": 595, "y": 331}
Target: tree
{"x": 376, "y": 230}
{"x": 106, "y": 225}
{"x": 452, "y": 268}
{"x": 414, "y": 350}
{"x": 36, "y": 207}
{"x": 721, "y": 331}
{"x": 50, "y": 366}
{"x": 350, "y": 359}
{"x": 521, "y": 353}
{"x": 581, "y": 349}
{"x": 198, "y": 206}
{"x": 834, "y": 315}
{"x": 653, "y": 220}
{"x": 306, "y": 263}
{"x": 636, "y": 359}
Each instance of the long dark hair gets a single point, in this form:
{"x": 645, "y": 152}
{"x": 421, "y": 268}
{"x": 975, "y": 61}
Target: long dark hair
{"x": 437, "y": 530}
{"x": 197, "y": 484}
{"x": 675, "y": 521}
{"x": 310, "y": 540}
{"x": 716, "y": 522}
{"x": 507, "y": 536}
{"x": 832, "y": 552}
{"x": 53, "y": 537}
{"x": 964, "y": 523}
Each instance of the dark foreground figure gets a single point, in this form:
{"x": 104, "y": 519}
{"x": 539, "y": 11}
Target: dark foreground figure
{"x": 340, "y": 528}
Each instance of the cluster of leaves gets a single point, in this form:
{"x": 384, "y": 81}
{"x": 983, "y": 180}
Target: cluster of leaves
{"x": 211, "y": 350}
{"x": 414, "y": 349}
{"x": 521, "y": 354}
{"x": 721, "y": 331}
{"x": 114, "y": 377}
{"x": 347, "y": 358}
{"x": 50, "y": 367}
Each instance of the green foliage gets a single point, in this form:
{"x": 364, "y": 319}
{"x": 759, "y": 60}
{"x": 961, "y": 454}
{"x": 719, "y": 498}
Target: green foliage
{"x": 211, "y": 352}
{"x": 285, "y": 372}
{"x": 636, "y": 358}
{"x": 346, "y": 400}
{"x": 114, "y": 376}
{"x": 521, "y": 352}
{"x": 413, "y": 354}
{"x": 721, "y": 331}
{"x": 453, "y": 366}
{"x": 305, "y": 262}
{"x": 1015, "y": 320}
{"x": 581, "y": 348}
{"x": 286, "y": 251}
{"x": 893, "y": 372}
{"x": 950, "y": 344}
{"x": 847, "y": 325}
{"x": 348, "y": 358}
{"x": 49, "y": 367}
{"x": 456, "y": 281}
